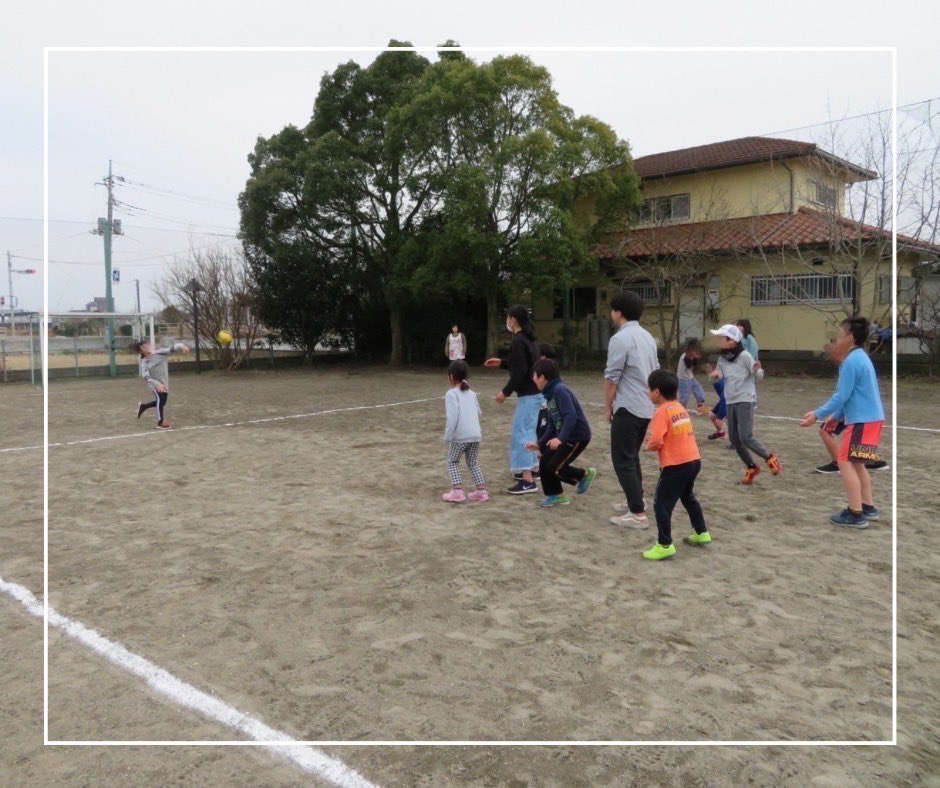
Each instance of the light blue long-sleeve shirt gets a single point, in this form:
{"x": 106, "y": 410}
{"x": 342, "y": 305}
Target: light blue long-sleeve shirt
{"x": 856, "y": 396}
{"x": 750, "y": 345}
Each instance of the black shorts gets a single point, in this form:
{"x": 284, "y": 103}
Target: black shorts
{"x": 836, "y": 430}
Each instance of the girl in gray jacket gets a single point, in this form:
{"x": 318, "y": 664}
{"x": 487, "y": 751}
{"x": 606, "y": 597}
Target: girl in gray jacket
{"x": 463, "y": 433}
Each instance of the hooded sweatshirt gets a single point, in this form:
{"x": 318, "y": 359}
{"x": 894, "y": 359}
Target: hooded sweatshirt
{"x": 566, "y": 419}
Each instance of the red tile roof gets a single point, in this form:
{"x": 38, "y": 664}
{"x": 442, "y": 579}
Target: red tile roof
{"x": 746, "y": 150}
{"x": 804, "y": 228}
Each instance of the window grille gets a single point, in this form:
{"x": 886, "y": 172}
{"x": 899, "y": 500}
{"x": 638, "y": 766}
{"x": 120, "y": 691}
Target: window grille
{"x": 802, "y": 289}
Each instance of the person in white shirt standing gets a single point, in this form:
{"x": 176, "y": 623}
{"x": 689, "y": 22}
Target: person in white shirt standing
{"x": 631, "y": 357}
{"x": 455, "y": 346}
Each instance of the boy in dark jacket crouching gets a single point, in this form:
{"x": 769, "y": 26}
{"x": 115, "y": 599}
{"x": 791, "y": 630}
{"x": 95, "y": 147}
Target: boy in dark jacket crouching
{"x": 566, "y": 435}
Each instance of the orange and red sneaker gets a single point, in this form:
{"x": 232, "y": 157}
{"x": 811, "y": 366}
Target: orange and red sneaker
{"x": 750, "y": 473}
{"x": 773, "y": 462}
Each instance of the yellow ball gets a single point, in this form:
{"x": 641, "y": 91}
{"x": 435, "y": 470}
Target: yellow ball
{"x": 224, "y": 337}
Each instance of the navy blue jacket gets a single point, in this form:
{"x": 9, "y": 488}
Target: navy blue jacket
{"x": 566, "y": 420}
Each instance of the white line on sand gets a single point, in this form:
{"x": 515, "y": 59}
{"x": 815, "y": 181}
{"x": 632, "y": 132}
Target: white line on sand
{"x": 309, "y": 759}
{"x": 149, "y": 433}
{"x": 329, "y": 412}
{"x": 792, "y": 418}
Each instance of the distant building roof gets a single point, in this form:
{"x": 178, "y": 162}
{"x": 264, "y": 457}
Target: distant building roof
{"x": 806, "y": 228}
{"x": 732, "y": 153}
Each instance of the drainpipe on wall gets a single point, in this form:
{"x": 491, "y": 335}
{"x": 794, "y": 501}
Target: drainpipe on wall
{"x": 787, "y": 168}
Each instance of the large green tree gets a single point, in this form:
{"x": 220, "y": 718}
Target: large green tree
{"x": 525, "y": 186}
{"x": 301, "y": 275}
{"x": 341, "y": 198}
{"x": 414, "y": 180}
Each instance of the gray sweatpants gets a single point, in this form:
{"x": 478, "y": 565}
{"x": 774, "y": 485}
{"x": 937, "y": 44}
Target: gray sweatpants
{"x": 741, "y": 432}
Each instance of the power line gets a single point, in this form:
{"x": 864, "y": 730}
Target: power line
{"x": 161, "y": 192}
{"x": 851, "y": 117}
{"x": 26, "y": 219}
{"x": 175, "y": 219}
{"x": 172, "y": 230}
{"x": 131, "y": 226}
{"x": 130, "y": 262}
{"x": 51, "y": 241}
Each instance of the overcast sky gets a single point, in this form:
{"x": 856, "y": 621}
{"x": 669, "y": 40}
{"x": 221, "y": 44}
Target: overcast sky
{"x": 178, "y": 126}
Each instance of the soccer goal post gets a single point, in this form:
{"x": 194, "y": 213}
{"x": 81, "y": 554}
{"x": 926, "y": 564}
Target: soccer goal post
{"x": 94, "y": 343}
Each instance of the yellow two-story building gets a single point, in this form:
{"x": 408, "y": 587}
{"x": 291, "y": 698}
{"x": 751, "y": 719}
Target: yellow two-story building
{"x": 754, "y": 228}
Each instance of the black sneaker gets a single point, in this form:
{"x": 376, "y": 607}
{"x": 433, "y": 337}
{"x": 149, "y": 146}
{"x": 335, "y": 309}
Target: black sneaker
{"x": 878, "y": 465}
{"x": 521, "y": 488}
{"x": 140, "y": 409}
{"x": 829, "y": 467}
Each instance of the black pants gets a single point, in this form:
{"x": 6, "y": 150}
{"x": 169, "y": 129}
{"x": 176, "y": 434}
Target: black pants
{"x": 626, "y": 439}
{"x": 159, "y": 403}
{"x": 555, "y": 466}
{"x": 675, "y": 484}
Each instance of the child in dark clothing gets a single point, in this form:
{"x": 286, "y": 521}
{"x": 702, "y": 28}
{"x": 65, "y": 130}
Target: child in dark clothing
{"x": 545, "y": 351}
{"x": 566, "y": 435}
{"x": 720, "y": 411}
{"x": 672, "y": 437}
{"x": 688, "y": 364}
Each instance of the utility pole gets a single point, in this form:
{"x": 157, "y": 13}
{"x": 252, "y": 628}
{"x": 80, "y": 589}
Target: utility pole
{"x": 108, "y": 228}
{"x": 137, "y": 285}
{"x": 109, "y": 298}
{"x": 10, "y": 276}
{"x": 10, "y": 271}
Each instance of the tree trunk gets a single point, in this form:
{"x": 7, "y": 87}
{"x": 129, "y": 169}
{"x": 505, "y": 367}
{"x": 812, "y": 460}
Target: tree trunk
{"x": 395, "y": 325}
{"x": 492, "y": 325}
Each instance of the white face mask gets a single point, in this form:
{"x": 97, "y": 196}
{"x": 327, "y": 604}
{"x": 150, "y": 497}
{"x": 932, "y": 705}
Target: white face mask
{"x": 509, "y": 326}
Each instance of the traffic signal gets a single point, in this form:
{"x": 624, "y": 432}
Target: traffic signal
{"x": 3, "y": 300}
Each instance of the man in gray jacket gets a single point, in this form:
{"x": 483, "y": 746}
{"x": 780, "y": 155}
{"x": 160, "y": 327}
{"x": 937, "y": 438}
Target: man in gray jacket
{"x": 631, "y": 357}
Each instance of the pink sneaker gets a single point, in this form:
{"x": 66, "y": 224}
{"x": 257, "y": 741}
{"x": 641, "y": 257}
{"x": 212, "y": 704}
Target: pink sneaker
{"x": 455, "y": 496}
{"x": 478, "y": 495}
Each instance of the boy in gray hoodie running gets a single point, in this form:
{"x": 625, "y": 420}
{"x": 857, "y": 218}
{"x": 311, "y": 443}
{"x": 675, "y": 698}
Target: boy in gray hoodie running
{"x": 156, "y": 374}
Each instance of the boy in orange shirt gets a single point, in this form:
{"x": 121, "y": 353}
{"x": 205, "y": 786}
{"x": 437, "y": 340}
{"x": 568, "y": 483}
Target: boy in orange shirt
{"x": 671, "y": 435}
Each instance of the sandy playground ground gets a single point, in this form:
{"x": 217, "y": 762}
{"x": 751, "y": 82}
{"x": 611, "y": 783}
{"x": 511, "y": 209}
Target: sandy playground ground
{"x": 305, "y": 572}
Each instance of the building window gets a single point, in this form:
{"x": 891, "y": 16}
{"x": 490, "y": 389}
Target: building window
{"x": 802, "y": 289}
{"x": 907, "y": 289}
{"x": 825, "y": 195}
{"x": 650, "y": 292}
{"x": 582, "y": 302}
{"x": 666, "y": 209}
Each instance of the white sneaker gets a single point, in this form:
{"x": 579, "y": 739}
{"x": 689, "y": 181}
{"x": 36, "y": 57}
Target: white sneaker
{"x": 624, "y": 508}
{"x": 631, "y": 520}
